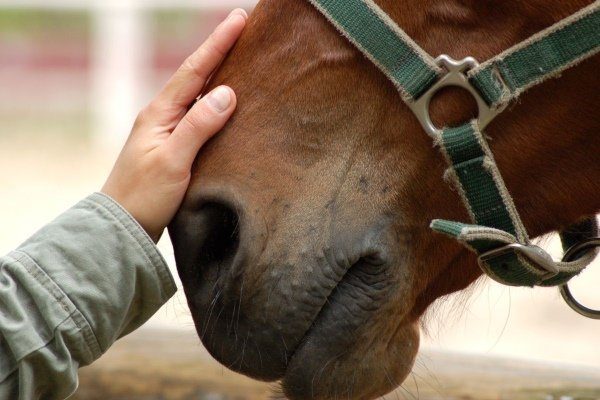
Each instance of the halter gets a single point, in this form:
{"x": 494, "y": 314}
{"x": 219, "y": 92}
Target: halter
{"x": 497, "y": 234}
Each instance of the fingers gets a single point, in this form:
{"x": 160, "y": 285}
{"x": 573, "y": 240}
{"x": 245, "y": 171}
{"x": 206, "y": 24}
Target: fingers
{"x": 189, "y": 80}
{"x": 207, "y": 117}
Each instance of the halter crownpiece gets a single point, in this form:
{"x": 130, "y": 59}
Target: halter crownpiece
{"x": 497, "y": 233}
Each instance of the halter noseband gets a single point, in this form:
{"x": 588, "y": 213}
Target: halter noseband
{"x": 497, "y": 233}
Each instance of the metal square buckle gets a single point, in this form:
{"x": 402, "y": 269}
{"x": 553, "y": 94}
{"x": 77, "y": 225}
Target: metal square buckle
{"x": 455, "y": 76}
{"x": 538, "y": 257}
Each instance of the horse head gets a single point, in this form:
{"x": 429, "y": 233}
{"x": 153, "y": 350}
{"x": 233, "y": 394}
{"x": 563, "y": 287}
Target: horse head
{"x": 303, "y": 243}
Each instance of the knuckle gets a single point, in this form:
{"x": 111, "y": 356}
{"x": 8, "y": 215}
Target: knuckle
{"x": 188, "y": 64}
{"x": 152, "y": 109}
{"x": 163, "y": 110}
{"x": 149, "y": 114}
{"x": 142, "y": 116}
{"x": 201, "y": 115}
{"x": 192, "y": 65}
{"x": 212, "y": 46}
{"x": 193, "y": 122}
{"x": 198, "y": 125}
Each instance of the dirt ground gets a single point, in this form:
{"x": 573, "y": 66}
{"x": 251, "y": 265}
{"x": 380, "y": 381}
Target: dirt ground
{"x": 171, "y": 364}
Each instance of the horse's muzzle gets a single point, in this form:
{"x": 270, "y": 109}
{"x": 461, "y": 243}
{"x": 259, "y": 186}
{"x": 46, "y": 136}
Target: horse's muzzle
{"x": 270, "y": 310}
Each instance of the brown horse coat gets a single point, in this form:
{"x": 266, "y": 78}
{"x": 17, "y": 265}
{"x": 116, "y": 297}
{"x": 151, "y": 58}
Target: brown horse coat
{"x": 303, "y": 243}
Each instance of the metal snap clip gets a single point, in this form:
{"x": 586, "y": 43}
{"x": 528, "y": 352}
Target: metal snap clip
{"x": 454, "y": 77}
{"x": 572, "y": 254}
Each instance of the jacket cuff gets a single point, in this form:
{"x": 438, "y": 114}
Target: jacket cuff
{"x": 141, "y": 236}
{"x": 105, "y": 264}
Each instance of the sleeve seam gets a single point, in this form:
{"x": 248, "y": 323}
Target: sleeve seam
{"x": 65, "y": 304}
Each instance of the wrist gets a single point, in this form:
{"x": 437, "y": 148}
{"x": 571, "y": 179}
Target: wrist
{"x": 128, "y": 206}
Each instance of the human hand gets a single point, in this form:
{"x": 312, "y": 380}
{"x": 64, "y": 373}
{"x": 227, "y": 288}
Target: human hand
{"x": 153, "y": 171}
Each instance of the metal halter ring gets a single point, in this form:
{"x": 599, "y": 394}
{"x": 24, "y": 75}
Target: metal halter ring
{"x": 571, "y": 255}
{"x": 454, "y": 77}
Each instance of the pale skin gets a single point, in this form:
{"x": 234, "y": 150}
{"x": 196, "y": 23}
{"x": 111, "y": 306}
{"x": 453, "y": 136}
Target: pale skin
{"x": 153, "y": 171}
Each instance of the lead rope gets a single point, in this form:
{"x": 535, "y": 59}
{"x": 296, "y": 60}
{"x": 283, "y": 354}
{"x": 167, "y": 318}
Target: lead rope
{"x": 497, "y": 234}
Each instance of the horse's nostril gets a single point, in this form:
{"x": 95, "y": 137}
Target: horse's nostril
{"x": 221, "y": 234}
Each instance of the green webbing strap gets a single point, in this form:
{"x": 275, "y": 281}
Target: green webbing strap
{"x": 496, "y": 221}
{"x": 475, "y": 174}
{"x": 544, "y": 55}
{"x": 501, "y": 79}
{"x": 473, "y": 166}
{"x": 373, "y": 32}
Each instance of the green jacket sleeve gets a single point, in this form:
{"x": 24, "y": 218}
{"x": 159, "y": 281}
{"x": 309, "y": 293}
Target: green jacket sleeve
{"x": 68, "y": 293}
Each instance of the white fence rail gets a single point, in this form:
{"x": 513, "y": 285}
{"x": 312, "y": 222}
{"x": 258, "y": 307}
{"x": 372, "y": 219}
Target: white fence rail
{"x": 120, "y": 52}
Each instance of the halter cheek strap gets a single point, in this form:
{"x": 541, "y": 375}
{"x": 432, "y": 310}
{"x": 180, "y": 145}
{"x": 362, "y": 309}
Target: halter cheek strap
{"x": 497, "y": 233}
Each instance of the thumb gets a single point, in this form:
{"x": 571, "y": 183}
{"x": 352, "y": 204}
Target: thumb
{"x": 203, "y": 120}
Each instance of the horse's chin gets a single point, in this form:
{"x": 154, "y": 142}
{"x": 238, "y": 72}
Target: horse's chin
{"x": 349, "y": 350}
{"x": 320, "y": 369}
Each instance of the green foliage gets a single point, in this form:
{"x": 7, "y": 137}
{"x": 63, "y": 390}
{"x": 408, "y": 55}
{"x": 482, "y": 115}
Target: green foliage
{"x": 40, "y": 22}
{"x": 177, "y": 24}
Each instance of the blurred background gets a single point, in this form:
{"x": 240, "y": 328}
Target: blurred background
{"x": 73, "y": 75}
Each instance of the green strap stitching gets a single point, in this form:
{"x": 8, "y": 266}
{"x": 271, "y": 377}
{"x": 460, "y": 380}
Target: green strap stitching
{"x": 496, "y": 221}
{"x": 543, "y": 56}
{"x": 371, "y": 30}
{"x": 484, "y": 194}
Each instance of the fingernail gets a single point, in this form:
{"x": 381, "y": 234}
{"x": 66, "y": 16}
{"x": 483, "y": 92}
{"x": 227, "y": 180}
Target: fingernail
{"x": 239, "y": 11}
{"x": 219, "y": 99}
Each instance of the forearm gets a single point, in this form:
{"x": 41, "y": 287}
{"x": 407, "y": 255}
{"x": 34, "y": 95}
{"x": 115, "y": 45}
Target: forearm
{"x": 80, "y": 283}
{"x": 94, "y": 275}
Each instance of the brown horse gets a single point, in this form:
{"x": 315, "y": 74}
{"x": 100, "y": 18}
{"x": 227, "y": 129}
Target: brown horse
{"x": 304, "y": 243}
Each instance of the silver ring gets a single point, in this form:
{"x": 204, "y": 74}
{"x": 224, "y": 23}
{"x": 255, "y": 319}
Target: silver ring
{"x": 571, "y": 255}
